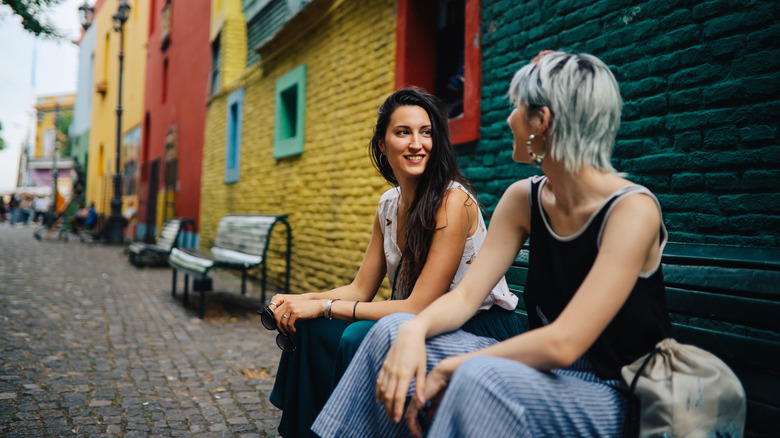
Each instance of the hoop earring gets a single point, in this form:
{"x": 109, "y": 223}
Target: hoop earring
{"x": 380, "y": 160}
{"x": 536, "y": 160}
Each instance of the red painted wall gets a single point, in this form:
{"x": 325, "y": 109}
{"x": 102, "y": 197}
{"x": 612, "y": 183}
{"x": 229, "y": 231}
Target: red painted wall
{"x": 416, "y": 41}
{"x": 188, "y": 56}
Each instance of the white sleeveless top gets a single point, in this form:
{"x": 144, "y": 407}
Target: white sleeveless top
{"x": 387, "y": 213}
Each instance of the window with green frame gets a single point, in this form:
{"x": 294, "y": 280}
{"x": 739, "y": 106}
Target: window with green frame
{"x": 290, "y": 105}
{"x": 235, "y": 110}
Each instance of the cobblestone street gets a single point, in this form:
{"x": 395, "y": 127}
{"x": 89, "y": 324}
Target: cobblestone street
{"x": 92, "y": 346}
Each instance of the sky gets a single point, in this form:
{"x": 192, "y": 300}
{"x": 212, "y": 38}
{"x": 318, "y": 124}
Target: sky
{"x": 56, "y": 69}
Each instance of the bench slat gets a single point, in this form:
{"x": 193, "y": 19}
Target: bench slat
{"x": 758, "y": 283}
{"x": 190, "y": 261}
{"x": 248, "y": 234}
{"x": 227, "y": 256}
{"x": 760, "y": 386}
{"x": 761, "y": 420}
{"x": 762, "y": 314}
{"x": 733, "y": 349}
{"x": 719, "y": 255}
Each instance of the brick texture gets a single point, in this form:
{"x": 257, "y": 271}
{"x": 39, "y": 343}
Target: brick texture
{"x": 331, "y": 190}
{"x": 700, "y": 82}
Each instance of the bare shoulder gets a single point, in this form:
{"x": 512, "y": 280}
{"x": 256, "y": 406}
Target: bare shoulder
{"x": 457, "y": 208}
{"x": 457, "y": 196}
{"x": 639, "y": 205}
{"x": 517, "y": 193}
{"x": 636, "y": 215}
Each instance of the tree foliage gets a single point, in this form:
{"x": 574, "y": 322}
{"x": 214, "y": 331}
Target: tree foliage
{"x": 63, "y": 128}
{"x": 32, "y": 14}
{"x": 2, "y": 140}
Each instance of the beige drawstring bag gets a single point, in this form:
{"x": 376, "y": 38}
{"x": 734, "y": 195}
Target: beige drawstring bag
{"x": 685, "y": 391}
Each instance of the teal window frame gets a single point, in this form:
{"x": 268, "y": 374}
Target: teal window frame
{"x": 290, "y": 113}
{"x": 235, "y": 115}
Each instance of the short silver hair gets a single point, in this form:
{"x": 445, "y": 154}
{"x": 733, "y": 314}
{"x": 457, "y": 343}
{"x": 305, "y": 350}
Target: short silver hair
{"x": 584, "y": 100}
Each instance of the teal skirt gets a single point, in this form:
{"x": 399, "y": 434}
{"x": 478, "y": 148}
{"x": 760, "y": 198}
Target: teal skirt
{"x": 325, "y": 348}
{"x": 304, "y": 377}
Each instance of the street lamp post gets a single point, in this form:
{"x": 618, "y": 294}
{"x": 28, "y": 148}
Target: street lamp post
{"x": 86, "y": 14}
{"x": 55, "y": 171}
{"x": 116, "y": 223}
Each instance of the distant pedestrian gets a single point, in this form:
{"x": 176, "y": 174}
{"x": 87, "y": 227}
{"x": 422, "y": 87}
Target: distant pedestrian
{"x": 13, "y": 209}
{"x": 41, "y": 207}
{"x": 26, "y": 206}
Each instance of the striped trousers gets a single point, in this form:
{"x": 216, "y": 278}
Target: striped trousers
{"x": 487, "y": 396}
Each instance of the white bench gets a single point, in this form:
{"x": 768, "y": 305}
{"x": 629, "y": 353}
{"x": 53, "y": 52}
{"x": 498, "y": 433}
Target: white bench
{"x": 242, "y": 243}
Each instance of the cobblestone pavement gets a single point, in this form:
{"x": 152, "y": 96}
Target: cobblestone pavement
{"x": 92, "y": 346}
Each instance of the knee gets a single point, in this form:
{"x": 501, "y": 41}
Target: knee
{"x": 485, "y": 370}
{"x": 354, "y": 334}
{"x": 390, "y": 323}
{"x": 384, "y": 331}
{"x": 469, "y": 373}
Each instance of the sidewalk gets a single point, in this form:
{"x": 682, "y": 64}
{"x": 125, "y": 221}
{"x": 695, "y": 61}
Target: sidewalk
{"x": 92, "y": 346}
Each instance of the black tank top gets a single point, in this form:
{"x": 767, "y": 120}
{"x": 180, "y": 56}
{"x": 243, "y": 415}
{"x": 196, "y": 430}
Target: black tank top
{"x": 557, "y": 268}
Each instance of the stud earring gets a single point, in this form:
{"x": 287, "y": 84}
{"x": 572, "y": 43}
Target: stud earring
{"x": 536, "y": 160}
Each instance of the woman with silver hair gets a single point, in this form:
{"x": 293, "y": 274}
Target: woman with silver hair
{"x": 594, "y": 292}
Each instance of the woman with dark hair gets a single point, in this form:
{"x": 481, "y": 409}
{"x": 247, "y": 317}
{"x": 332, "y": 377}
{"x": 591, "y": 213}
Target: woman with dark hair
{"x": 426, "y": 231}
{"x": 594, "y": 291}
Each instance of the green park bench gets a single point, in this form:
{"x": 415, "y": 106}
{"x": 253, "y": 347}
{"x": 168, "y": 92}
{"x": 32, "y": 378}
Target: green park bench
{"x": 726, "y": 300}
{"x": 154, "y": 254}
{"x": 241, "y": 243}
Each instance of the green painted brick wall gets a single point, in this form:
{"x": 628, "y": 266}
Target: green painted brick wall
{"x": 701, "y": 85}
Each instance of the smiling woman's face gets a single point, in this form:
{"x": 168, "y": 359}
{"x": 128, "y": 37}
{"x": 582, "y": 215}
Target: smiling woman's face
{"x": 408, "y": 141}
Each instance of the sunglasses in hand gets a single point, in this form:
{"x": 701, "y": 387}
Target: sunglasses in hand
{"x": 283, "y": 340}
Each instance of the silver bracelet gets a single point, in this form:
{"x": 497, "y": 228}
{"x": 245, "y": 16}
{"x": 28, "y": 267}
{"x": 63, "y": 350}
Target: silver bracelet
{"x": 327, "y": 309}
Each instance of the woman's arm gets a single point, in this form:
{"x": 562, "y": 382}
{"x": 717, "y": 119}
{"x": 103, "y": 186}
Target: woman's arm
{"x": 630, "y": 237}
{"x": 508, "y": 231}
{"x": 363, "y": 288}
{"x": 455, "y": 219}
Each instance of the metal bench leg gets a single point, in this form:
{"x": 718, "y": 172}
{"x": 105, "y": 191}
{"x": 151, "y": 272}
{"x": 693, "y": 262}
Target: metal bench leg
{"x": 202, "y": 311}
{"x": 263, "y": 285}
{"x": 186, "y": 289}
{"x": 173, "y": 286}
{"x": 243, "y": 282}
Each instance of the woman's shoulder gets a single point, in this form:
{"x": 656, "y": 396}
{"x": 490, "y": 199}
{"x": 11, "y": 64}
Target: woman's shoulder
{"x": 390, "y": 194}
{"x": 523, "y": 187}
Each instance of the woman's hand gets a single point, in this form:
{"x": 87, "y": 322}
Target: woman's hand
{"x": 278, "y": 299}
{"x": 435, "y": 385}
{"x": 404, "y": 360}
{"x": 292, "y": 308}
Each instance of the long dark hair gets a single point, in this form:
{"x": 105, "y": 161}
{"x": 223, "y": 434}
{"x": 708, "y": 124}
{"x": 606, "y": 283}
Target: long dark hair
{"x": 442, "y": 168}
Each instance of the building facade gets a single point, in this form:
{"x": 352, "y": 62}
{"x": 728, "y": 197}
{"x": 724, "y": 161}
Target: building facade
{"x": 177, "y": 82}
{"x": 289, "y": 134}
{"x": 82, "y": 109}
{"x": 49, "y": 151}
{"x": 103, "y": 150}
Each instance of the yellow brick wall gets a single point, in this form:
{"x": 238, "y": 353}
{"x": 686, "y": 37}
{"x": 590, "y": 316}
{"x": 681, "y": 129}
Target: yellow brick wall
{"x": 331, "y": 191}
{"x": 233, "y": 49}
